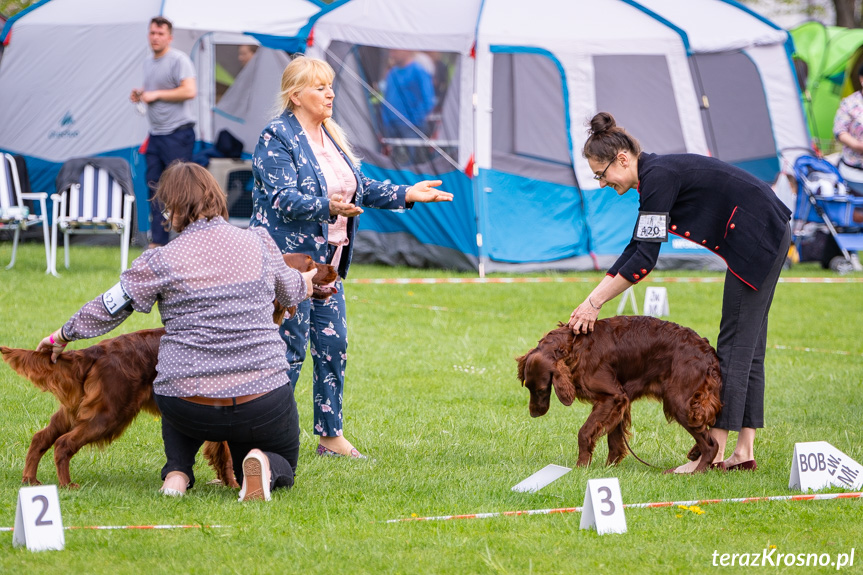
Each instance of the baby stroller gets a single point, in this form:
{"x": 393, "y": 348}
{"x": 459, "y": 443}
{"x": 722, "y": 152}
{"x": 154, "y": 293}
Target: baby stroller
{"x": 822, "y": 196}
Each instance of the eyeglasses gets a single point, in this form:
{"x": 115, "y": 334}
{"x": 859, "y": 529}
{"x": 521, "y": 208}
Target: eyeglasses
{"x": 601, "y": 176}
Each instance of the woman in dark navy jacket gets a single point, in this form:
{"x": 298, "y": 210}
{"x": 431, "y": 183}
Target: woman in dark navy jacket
{"x": 309, "y": 194}
{"x": 731, "y": 213}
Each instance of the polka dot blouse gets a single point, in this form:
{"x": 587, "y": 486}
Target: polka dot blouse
{"x": 214, "y": 284}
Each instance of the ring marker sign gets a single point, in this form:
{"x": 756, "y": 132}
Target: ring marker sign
{"x": 628, "y": 296}
{"x": 656, "y": 301}
{"x": 542, "y": 478}
{"x": 817, "y": 464}
{"x": 603, "y": 507}
{"x": 38, "y": 523}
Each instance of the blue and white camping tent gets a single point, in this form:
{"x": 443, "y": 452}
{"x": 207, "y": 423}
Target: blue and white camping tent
{"x": 515, "y": 84}
{"x": 69, "y": 65}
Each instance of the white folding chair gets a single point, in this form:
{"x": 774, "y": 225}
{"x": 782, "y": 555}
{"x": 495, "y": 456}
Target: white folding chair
{"x": 15, "y": 213}
{"x": 94, "y": 205}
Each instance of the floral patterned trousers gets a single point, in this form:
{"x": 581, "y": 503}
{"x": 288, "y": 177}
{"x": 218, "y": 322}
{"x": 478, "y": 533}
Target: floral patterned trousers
{"x": 322, "y": 325}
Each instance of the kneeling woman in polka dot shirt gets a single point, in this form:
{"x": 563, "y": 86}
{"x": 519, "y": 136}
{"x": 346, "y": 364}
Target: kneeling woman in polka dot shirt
{"x": 222, "y": 372}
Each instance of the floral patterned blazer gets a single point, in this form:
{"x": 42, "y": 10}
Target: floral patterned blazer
{"x": 290, "y": 193}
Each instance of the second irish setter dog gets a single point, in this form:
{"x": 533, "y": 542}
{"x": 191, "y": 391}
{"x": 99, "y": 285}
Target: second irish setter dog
{"x": 103, "y": 387}
{"x": 624, "y": 359}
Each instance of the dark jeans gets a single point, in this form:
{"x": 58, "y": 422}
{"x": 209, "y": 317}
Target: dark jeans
{"x": 742, "y": 344}
{"x": 161, "y": 151}
{"x": 269, "y": 423}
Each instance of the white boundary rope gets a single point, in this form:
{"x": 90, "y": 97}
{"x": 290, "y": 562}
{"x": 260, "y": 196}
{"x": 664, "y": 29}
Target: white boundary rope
{"x": 814, "y": 350}
{"x": 542, "y": 280}
{"x": 808, "y": 497}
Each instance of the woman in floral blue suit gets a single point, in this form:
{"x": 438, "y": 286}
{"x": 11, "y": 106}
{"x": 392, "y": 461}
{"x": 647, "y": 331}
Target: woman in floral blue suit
{"x": 309, "y": 194}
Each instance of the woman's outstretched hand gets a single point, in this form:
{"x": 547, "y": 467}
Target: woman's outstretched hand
{"x": 426, "y": 192}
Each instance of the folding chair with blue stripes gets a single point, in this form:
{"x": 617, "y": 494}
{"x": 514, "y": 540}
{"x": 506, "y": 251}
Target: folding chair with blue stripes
{"x": 95, "y": 204}
{"x": 14, "y": 211}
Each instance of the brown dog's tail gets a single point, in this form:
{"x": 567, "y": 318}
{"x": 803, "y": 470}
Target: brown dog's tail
{"x": 63, "y": 379}
{"x": 219, "y": 457}
{"x": 705, "y": 405}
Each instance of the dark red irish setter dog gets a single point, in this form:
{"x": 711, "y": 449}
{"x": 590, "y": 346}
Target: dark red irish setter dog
{"x": 624, "y": 359}
{"x": 103, "y": 387}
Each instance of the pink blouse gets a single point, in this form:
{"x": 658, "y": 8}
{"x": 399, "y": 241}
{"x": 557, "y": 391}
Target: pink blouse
{"x": 340, "y": 180}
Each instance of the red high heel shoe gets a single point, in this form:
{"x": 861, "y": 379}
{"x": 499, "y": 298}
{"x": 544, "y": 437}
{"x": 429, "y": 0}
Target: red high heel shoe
{"x": 744, "y": 466}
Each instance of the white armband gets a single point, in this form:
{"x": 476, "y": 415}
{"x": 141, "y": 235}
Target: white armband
{"x": 652, "y": 227}
{"x": 116, "y": 299}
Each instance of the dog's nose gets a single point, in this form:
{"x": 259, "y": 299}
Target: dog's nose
{"x": 538, "y": 410}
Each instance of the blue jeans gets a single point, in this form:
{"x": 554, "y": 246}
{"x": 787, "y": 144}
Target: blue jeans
{"x": 269, "y": 423}
{"x": 161, "y": 152}
{"x": 323, "y": 324}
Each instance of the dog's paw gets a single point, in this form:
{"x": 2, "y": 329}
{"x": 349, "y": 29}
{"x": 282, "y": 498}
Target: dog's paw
{"x": 614, "y": 459}
{"x": 694, "y": 453}
{"x": 30, "y": 481}
{"x": 70, "y": 486}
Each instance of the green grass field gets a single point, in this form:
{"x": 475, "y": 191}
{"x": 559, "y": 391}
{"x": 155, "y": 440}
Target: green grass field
{"x": 432, "y": 398}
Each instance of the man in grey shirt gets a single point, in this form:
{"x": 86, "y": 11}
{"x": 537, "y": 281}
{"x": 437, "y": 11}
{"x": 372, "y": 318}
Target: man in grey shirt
{"x": 169, "y": 88}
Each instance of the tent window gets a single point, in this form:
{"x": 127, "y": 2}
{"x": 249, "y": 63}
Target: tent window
{"x": 737, "y": 122}
{"x": 247, "y": 80}
{"x": 399, "y": 107}
{"x": 230, "y": 59}
{"x": 529, "y": 123}
{"x": 637, "y": 91}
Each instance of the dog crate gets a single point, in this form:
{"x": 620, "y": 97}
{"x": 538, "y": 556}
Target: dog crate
{"x": 235, "y": 179}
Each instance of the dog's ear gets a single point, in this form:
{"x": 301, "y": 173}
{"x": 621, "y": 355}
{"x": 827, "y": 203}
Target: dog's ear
{"x": 521, "y": 362}
{"x": 325, "y": 274}
{"x": 561, "y": 379}
{"x": 279, "y": 312}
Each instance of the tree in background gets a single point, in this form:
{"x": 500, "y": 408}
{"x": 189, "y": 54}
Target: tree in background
{"x": 848, "y": 13}
{"x": 11, "y": 7}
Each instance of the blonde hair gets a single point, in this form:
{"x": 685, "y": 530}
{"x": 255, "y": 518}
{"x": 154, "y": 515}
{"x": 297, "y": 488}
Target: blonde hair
{"x": 189, "y": 192}
{"x": 301, "y": 73}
